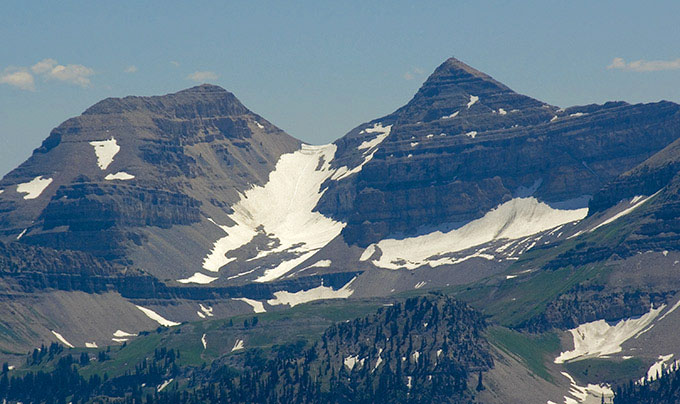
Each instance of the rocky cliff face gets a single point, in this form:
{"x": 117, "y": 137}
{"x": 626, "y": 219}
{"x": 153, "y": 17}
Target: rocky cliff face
{"x": 109, "y": 180}
{"x": 466, "y": 143}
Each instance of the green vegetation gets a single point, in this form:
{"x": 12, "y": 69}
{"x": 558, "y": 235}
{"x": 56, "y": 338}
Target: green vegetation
{"x": 612, "y": 371}
{"x": 534, "y": 351}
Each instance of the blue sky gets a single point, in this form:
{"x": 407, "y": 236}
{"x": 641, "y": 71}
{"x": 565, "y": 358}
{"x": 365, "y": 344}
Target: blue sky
{"x": 319, "y": 68}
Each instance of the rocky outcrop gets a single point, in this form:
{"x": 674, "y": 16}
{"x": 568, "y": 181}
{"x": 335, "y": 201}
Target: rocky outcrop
{"x": 169, "y": 161}
{"x": 466, "y": 143}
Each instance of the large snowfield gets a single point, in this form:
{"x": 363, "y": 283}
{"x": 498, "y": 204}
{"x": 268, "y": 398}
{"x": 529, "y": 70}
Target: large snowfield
{"x": 517, "y": 218}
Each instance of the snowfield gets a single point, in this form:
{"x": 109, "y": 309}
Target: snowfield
{"x": 105, "y": 150}
{"x": 283, "y": 209}
{"x": 515, "y": 219}
{"x": 599, "y": 338}
{"x": 258, "y": 307}
{"x": 62, "y": 339}
{"x": 34, "y": 187}
{"x": 317, "y": 293}
{"x": 198, "y": 278}
{"x": 157, "y": 317}
{"x": 121, "y": 175}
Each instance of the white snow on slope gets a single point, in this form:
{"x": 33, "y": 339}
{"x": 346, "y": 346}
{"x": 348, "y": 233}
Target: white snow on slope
{"x": 317, "y": 293}
{"x": 164, "y": 385}
{"x": 471, "y": 134}
{"x": 119, "y": 340}
{"x": 636, "y": 202}
{"x": 578, "y": 114}
{"x": 590, "y": 394}
{"x": 157, "y": 317}
{"x": 105, "y": 151}
{"x": 284, "y": 208}
{"x": 517, "y": 218}
{"x": 473, "y": 100}
{"x": 34, "y": 187}
{"x": 599, "y": 338}
{"x": 352, "y": 361}
{"x": 208, "y": 311}
{"x": 91, "y": 345}
{"x": 657, "y": 368}
{"x": 238, "y": 345}
{"x": 501, "y": 111}
{"x": 21, "y": 234}
{"x": 204, "y": 342}
{"x": 455, "y": 114}
{"x": 370, "y": 147}
{"x": 382, "y": 132}
{"x": 121, "y": 175}
{"x": 123, "y": 334}
{"x": 62, "y": 339}
{"x": 198, "y": 278}
{"x": 258, "y": 307}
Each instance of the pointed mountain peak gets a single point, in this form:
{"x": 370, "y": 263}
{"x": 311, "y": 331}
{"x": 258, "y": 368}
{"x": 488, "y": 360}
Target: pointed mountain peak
{"x": 456, "y": 76}
{"x": 454, "y": 88}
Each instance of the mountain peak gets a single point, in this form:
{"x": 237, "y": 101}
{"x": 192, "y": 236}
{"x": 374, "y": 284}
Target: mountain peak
{"x": 204, "y": 98}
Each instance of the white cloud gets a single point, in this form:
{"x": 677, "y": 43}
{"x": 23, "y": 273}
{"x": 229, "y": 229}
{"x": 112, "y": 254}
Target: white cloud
{"x": 131, "y": 69}
{"x": 645, "y": 65}
{"x": 202, "y": 77}
{"x": 44, "y": 66}
{"x": 48, "y": 69}
{"x": 413, "y": 73}
{"x": 20, "y": 78}
{"x": 74, "y": 74}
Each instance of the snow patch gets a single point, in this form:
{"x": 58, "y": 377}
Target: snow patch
{"x": 208, "y": 311}
{"x": 420, "y": 285}
{"x": 259, "y": 125}
{"x": 123, "y": 334}
{"x": 91, "y": 345}
{"x": 515, "y": 219}
{"x": 455, "y": 114}
{"x": 284, "y": 208}
{"x": 121, "y": 175}
{"x": 105, "y": 151}
{"x": 553, "y": 119}
{"x": 590, "y": 394}
{"x": 317, "y": 293}
{"x": 62, "y": 339}
{"x": 34, "y": 187}
{"x": 636, "y": 202}
{"x": 238, "y": 345}
{"x": 204, "y": 342}
{"x": 164, "y": 385}
{"x": 577, "y": 114}
{"x": 414, "y": 144}
{"x": 599, "y": 338}
{"x": 473, "y": 100}
{"x": 501, "y": 111}
{"x": 352, "y": 361}
{"x": 657, "y": 368}
{"x": 21, "y": 234}
{"x": 157, "y": 317}
{"x": 198, "y": 278}
{"x": 258, "y": 307}
{"x": 471, "y": 134}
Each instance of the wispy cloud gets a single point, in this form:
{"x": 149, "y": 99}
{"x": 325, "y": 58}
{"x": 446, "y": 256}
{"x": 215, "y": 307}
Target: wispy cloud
{"x": 644, "y": 65}
{"x": 413, "y": 73}
{"x": 131, "y": 69}
{"x": 48, "y": 69}
{"x": 21, "y": 79}
{"x": 202, "y": 76}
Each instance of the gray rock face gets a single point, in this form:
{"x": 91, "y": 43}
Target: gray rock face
{"x": 189, "y": 153}
{"x": 466, "y": 143}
